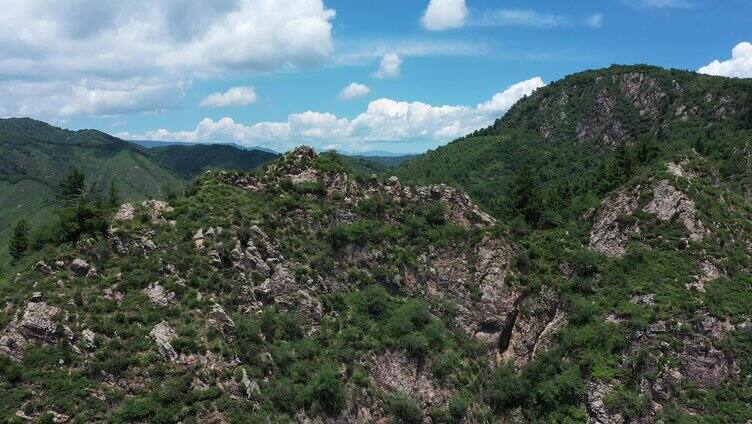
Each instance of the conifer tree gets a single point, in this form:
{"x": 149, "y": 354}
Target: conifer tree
{"x": 19, "y": 240}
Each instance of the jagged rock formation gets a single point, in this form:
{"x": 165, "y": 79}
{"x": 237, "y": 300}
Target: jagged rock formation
{"x": 614, "y": 226}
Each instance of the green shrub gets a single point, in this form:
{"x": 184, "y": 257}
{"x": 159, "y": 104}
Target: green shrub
{"x": 326, "y": 391}
{"x": 506, "y": 390}
{"x": 405, "y": 410}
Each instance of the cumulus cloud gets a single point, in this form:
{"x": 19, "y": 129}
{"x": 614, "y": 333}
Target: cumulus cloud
{"x": 739, "y": 66}
{"x": 384, "y": 120}
{"x": 113, "y": 40}
{"x": 444, "y": 14}
{"x": 389, "y": 67}
{"x": 354, "y": 91}
{"x": 235, "y": 96}
{"x": 502, "y": 102}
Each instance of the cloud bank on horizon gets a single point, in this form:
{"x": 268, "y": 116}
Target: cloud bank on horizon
{"x": 383, "y": 120}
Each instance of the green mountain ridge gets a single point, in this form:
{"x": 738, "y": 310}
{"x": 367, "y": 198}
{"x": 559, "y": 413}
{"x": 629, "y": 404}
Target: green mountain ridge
{"x": 568, "y": 130}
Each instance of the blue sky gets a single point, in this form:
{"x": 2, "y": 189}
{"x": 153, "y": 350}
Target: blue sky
{"x": 272, "y": 72}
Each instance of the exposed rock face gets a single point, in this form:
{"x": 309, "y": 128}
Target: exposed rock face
{"x": 221, "y": 320}
{"x": 486, "y": 303}
{"x": 704, "y": 366}
{"x": 602, "y": 122}
{"x": 668, "y": 202}
{"x": 82, "y": 269}
{"x": 125, "y": 213}
{"x": 163, "y": 335}
{"x": 89, "y": 338}
{"x": 283, "y": 289}
{"x": 645, "y": 93}
{"x": 460, "y": 209}
{"x": 613, "y": 226}
{"x": 158, "y": 296}
{"x": 677, "y": 169}
{"x": 710, "y": 273}
{"x": 39, "y": 322}
{"x": 293, "y": 164}
{"x": 123, "y": 243}
{"x": 155, "y": 208}
{"x": 534, "y": 330}
{"x": 609, "y": 235}
{"x": 598, "y": 413}
{"x": 394, "y": 373}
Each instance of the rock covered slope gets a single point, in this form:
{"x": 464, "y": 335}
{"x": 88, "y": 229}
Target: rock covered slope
{"x": 306, "y": 295}
{"x": 300, "y": 295}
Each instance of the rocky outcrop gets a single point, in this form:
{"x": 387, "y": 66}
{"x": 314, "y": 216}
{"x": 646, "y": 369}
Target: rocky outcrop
{"x": 459, "y": 208}
{"x": 668, "y": 202}
{"x": 596, "y": 406}
{"x": 611, "y": 232}
{"x": 125, "y": 212}
{"x": 163, "y": 335}
{"x": 155, "y": 209}
{"x": 219, "y": 319}
{"x": 602, "y": 123}
{"x": 709, "y": 273}
{"x": 614, "y": 224}
{"x": 534, "y": 329}
{"x": 158, "y": 295}
{"x": 131, "y": 243}
{"x": 82, "y": 269}
{"x": 485, "y": 303}
{"x": 40, "y": 323}
{"x": 286, "y": 291}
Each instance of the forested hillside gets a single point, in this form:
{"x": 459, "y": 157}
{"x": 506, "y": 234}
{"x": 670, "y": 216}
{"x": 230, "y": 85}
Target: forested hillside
{"x": 583, "y": 136}
{"x": 191, "y": 161}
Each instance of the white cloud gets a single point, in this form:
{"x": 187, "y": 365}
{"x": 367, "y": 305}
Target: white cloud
{"x": 54, "y": 42}
{"x": 739, "y": 66}
{"x": 94, "y": 97}
{"x": 354, "y": 91}
{"x": 384, "y": 120}
{"x": 444, "y": 14}
{"x": 235, "y": 96}
{"x": 389, "y": 66}
{"x": 502, "y": 102}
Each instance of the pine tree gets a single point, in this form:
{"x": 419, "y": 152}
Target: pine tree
{"x": 525, "y": 194}
{"x": 73, "y": 187}
{"x": 18, "y": 244}
{"x": 113, "y": 196}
